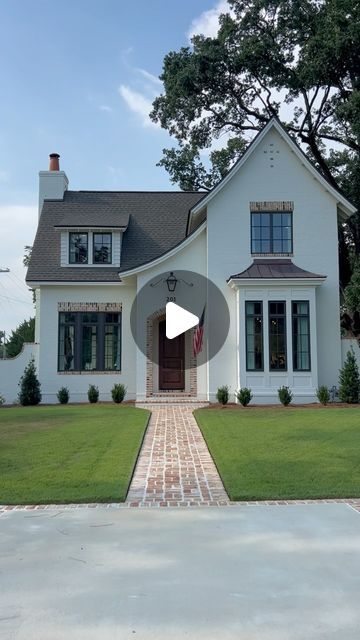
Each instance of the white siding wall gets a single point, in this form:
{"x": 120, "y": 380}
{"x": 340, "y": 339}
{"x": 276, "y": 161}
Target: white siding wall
{"x": 78, "y": 384}
{"x": 315, "y": 246}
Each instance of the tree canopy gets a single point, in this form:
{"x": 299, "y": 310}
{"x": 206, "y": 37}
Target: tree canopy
{"x": 25, "y": 332}
{"x": 298, "y": 60}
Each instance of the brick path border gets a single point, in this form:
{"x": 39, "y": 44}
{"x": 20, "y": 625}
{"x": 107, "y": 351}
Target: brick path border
{"x": 354, "y": 503}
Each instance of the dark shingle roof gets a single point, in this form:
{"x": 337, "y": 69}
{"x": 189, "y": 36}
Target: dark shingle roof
{"x": 269, "y": 268}
{"x": 155, "y": 221}
{"x": 91, "y": 209}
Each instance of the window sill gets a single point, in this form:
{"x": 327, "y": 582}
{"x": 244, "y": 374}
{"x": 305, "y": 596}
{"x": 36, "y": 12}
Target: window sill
{"x": 78, "y": 265}
{"x": 89, "y": 373}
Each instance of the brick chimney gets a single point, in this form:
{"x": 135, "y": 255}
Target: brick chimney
{"x": 52, "y": 183}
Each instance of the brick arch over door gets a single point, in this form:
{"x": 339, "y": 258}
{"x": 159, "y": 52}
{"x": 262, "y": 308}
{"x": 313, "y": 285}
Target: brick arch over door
{"x": 190, "y": 359}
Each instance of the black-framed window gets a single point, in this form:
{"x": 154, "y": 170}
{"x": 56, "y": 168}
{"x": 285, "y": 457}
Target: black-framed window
{"x": 102, "y": 248}
{"x": 78, "y": 248}
{"x": 254, "y": 336}
{"x": 271, "y": 232}
{"x": 277, "y": 336}
{"x": 112, "y": 346}
{"x": 66, "y": 342}
{"x": 301, "y": 335}
{"x": 89, "y": 341}
{"x": 89, "y": 344}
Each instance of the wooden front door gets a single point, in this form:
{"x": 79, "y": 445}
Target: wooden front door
{"x": 171, "y": 360}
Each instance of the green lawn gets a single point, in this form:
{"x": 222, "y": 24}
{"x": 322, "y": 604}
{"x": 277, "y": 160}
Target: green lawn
{"x": 274, "y": 453}
{"x": 83, "y": 453}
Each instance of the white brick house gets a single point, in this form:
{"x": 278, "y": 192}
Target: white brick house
{"x": 266, "y": 235}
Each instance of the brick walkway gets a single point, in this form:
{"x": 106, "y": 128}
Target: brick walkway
{"x": 175, "y": 467}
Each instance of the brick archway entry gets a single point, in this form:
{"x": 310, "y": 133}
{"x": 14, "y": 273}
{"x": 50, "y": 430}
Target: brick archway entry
{"x": 152, "y": 370}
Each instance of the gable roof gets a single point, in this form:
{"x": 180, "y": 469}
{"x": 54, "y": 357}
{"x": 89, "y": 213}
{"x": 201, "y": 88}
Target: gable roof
{"x": 263, "y": 268}
{"x": 155, "y": 222}
{"x": 344, "y": 204}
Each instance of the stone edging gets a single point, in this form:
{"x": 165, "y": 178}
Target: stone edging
{"x": 351, "y": 502}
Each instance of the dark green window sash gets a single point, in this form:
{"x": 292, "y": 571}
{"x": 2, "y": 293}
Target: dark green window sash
{"x": 83, "y": 342}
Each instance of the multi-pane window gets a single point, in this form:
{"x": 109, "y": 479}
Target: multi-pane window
{"x": 66, "y": 341}
{"x": 78, "y": 248}
{"x": 254, "y": 336}
{"x": 277, "y": 336}
{"x": 271, "y": 232}
{"x": 112, "y": 342}
{"x": 301, "y": 335}
{"x": 102, "y": 248}
{"x": 89, "y": 341}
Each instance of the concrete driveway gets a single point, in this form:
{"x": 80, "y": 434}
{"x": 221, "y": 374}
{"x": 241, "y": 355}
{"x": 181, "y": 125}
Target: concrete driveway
{"x": 257, "y": 572}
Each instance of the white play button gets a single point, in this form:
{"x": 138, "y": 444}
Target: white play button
{"x": 178, "y": 320}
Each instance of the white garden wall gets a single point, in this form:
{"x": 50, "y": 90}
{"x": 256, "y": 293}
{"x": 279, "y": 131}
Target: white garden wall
{"x": 346, "y": 344}
{"x": 12, "y": 369}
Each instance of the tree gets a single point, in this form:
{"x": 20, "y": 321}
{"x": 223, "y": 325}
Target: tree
{"x": 27, "y": 255}
{"x": 25, "y": 332}
{"x": 29, "y": 384}
{"x": 349, "y": 380}
{"x": 26, "y": 261}
{"x": 305, "y": 53}
{"x": 2, "y": 344}
{"x": 351, "y": 318}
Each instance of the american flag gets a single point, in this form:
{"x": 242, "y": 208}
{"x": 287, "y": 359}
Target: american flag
{"x": 198, "y": 335}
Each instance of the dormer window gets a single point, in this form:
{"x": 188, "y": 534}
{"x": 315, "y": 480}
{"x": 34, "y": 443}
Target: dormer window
{"x": 78, "y": 248}
{"x": 271, "y": 232}
{"x": 102, "y": 248}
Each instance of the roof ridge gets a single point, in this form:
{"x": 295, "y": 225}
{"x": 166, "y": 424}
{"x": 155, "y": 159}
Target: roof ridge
{"x": 134, "y": 191}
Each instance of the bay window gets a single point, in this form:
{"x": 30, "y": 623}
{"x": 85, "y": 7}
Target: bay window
{"x": 254, "y": 336}
{"x": 277, "y": 336}
{"x": 301, "y": 335}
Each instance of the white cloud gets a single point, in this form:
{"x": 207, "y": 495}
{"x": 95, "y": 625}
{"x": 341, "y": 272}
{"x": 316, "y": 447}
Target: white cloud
{"x": 139, "y": 104}
{"x": 207, "y": 23}
{"x": 17, "y": 223}
{"x": 149, "y": 76}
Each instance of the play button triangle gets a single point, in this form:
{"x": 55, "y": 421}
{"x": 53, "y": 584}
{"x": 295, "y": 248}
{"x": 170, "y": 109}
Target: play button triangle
{"x": 178, "y": 320}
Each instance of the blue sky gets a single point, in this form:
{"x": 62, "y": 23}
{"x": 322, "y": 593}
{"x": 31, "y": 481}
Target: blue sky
{"x": 77, "y": 78}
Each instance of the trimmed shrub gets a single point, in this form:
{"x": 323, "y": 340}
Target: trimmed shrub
{"x": 323, "y": 394}
{"x": 29, "y": 384}
{"x": 118, "y": 393}
{"x": 222, "y": 395}
{"x": 349, "y": 379}
{"x": 93, "y": 393}
{"x": 285, "y": 395}
{"x": 63, "y": 395}
{"x": 2, "y": 400}
{"x": 244, "y": 396}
